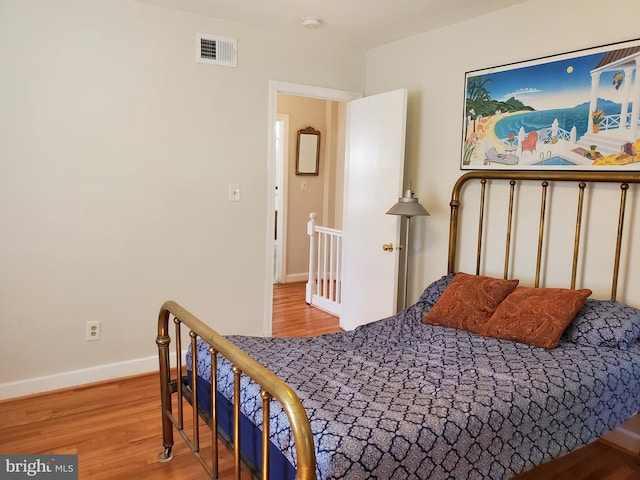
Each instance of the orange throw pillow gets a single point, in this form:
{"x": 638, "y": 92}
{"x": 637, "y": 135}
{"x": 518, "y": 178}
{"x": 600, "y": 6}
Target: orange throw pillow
{"x": 535, "y": 316}
{"x": 469, "y": 301}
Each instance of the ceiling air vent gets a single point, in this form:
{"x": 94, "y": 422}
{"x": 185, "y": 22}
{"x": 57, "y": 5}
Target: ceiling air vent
{"x": 216, "y": 50}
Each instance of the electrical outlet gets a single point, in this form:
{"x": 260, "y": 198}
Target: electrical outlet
{"x": 93, "y": 331}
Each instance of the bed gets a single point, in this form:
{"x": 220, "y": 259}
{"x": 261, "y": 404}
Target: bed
{"x": 487, "y": 375}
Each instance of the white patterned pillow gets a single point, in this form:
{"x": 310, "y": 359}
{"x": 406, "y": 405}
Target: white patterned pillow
{"x": 433, "y": 291}
{"x": 428, "y": 299}
{"x": 604, "y": 323}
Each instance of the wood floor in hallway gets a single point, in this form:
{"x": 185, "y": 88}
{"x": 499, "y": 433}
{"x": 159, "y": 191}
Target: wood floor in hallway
{"x": 292, "y": 317}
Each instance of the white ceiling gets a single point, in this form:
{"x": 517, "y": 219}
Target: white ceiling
{"x": 363, "y": 23}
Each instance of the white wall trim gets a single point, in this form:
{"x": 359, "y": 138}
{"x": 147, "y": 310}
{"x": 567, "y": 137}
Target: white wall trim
{"x": 627, "y": 435}
{"x": 313, "y": 91}
{"x": 281, "y": 256}
{"x": 297, "y": 277}
{"x": 74, "y": 378}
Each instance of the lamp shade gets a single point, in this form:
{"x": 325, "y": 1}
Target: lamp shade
{"x": 408, "y": 206}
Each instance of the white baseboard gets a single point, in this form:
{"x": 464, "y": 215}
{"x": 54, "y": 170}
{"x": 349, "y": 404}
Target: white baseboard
{"x": 75, "y": 378}
{"x": 297, "y": 277}
{"x": 326, "y": 305}
{"x": 627, "y": 435}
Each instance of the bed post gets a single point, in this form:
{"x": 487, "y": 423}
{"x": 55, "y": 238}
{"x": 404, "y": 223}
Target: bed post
{"x": 453, "y": 220}
{"x": 163, "y": 341}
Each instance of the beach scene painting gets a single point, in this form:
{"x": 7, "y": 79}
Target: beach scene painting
{"x": 576, "y": 111}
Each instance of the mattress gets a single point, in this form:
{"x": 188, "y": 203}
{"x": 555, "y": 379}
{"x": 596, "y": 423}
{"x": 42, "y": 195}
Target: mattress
{"x": 400, "y": 399}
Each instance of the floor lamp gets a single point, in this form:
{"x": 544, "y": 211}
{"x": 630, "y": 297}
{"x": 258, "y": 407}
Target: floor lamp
{"x": 407, "y": 207}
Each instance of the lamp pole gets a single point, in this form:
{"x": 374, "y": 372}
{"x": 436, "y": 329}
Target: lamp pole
{"x": 406, "y": 264}
{"x": 407, "y": 207}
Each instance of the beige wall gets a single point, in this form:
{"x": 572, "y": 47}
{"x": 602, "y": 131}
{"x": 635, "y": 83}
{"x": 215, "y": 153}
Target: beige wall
{"x": 117, "y": 149}
{"x": 320, "y": 193}
{"x": 303, "y": 112}
{"x": 433, "y": 65}
{"x": 116, "y": 152}
{"x": 334, "y": 183}
{"x": 328, "y": 187}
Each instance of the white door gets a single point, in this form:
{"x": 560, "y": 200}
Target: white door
{"x": 373, "y": 183}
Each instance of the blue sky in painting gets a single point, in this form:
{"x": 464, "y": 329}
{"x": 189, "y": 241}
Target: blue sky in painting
{"x": 556, "y": 84}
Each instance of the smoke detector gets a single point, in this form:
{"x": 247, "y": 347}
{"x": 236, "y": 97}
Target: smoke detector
{"x": 311, "y": 22}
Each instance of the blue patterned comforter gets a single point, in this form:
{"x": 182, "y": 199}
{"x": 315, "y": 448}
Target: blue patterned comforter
{"x": 396, "y": 399}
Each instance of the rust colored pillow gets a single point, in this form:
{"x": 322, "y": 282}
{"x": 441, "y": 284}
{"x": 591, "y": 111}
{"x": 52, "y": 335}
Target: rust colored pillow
{"x": 535, "y": 316}
{"x": 469, "y": 301}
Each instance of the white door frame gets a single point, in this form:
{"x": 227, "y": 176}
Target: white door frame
{"x": 281, "y": 221}
{"x": 276, "y": 87}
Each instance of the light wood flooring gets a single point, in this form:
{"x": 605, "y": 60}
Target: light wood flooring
{"x": 114, "y": 426}
{"x": 292, "y": 317}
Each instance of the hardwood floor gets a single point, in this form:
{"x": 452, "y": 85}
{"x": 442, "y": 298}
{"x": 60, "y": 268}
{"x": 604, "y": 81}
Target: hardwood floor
{"x": 292, "y": 317}
{"x": 114, "y": 426}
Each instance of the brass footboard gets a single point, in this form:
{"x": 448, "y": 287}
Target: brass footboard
{"x": 272, "y": 388}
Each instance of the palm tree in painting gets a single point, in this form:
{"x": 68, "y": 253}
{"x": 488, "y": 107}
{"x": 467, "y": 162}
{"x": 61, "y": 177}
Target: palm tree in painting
{"x": 477, "y": 95}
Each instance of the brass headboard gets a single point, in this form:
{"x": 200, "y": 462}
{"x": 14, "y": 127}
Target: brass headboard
{"x": 511, "y": 181}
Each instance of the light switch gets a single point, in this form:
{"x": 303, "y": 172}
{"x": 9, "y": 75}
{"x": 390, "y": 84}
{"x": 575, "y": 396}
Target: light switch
{"x": 234, "y": 192}
{"x": 303, "y": 184}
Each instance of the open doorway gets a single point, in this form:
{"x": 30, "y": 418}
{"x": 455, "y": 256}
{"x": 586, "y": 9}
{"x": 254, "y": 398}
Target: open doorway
{"x": 297, "y": 195}
{"x": 372, "y": 180}
{"x": 277, "y": 269}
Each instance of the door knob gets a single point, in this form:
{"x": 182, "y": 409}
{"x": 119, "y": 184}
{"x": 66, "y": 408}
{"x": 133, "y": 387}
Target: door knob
{"x": 387, "y": 247}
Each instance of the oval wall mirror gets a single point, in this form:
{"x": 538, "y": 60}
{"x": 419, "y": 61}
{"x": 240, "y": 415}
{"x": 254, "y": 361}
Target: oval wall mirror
{"x": 308, "y": 151}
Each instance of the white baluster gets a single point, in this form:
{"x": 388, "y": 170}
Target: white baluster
{"x": 311, "y": 231}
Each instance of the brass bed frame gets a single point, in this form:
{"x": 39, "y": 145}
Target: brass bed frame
{"x": 272, "y": 387}
{"x": 173, "y": 380}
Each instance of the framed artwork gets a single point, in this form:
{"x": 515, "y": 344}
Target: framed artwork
{"x": 308, "y": 152}
{"x": 573, "y": 111}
